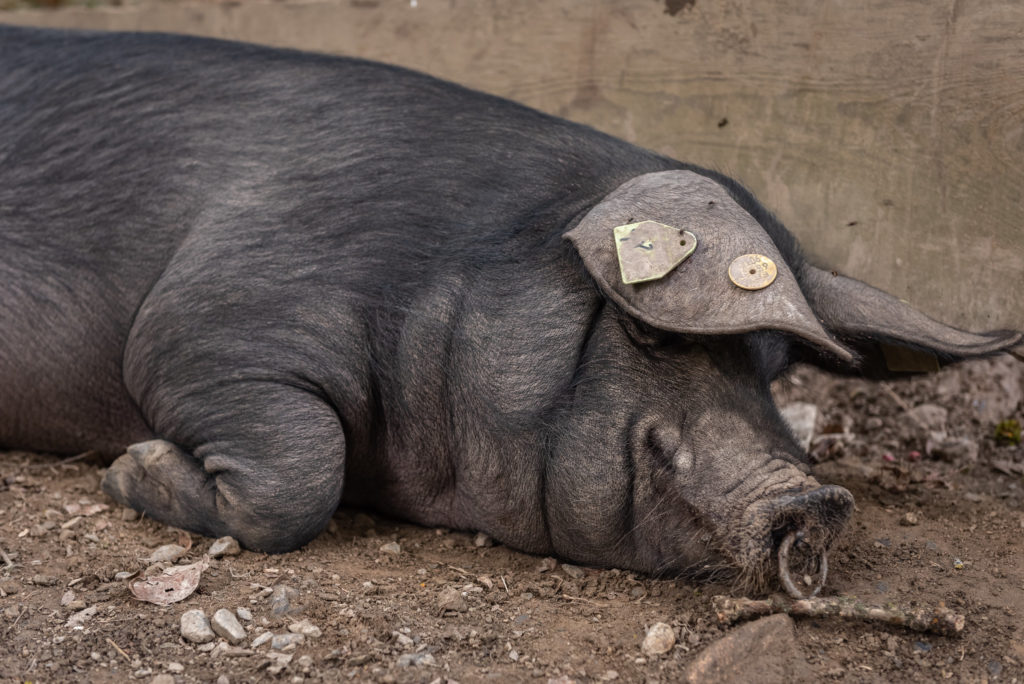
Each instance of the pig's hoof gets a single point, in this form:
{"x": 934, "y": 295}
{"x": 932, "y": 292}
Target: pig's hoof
{"x": 146, "y": 475}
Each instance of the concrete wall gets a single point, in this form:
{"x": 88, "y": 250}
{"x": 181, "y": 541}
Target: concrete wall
{"x": 887, "y": 134}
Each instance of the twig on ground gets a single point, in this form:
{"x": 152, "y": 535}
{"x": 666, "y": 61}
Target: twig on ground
{"x": 118, "y": 649}
{"x": 71, "y": 459}
{"x": 939, "y": 620}
{"x": 8, "y": 563}
{"x": 16, "y": 620}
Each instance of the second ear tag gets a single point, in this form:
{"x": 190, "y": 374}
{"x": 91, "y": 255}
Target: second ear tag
{"x": 649, "y": 250}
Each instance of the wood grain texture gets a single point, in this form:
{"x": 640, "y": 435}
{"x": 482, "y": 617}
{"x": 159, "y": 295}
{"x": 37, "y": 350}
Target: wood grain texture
{"x": 887, "y": 134}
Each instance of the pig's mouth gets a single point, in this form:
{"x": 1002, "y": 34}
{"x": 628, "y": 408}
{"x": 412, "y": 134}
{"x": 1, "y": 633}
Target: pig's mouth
{"x": 788, "y": 537}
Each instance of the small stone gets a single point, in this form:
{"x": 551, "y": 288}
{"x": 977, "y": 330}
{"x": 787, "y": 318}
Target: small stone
{"x": 122, "y": 575}
{"x": 547, "y": 565}
{"x": 81, "y": 616}
{"x": 659, "y": 640}
{"x": 610, "y": 675}
{"x": 9, "y": 586}
{"x": 801, "y": 417}
{"x": 43, "y": 580}
{"x": 195, "y": 627}
{"x": 244, "y": 614}
{"x": 763, "y": 651}
{"x": 954, "y": 449}
{"x": 305, "y": 628}
{"x": 305, "y": 662}
{"x": 281, "y": 600}
{"x": 76, "y": 604}
{"x": 129, "y": 514}
{"x": 481, "y": 540}
{"x": 223, "y": 679}
{"x": 909, "y": 519}
{"x": 279, "y": 642}
{"x": 66, "y": 598}
{"x": 451, "y": 599}
{"x": 927, "y": 416}
{"x": 573, "y": 571}
{"x": 486, "y": 581}
{"x": 391, "y": 548}
{"x": 416, "y": 660}
{"x": 176, "y": 668}
{"x": 226, "y": 625}
{"x": 225, "y": 546}
{"x": 262, "y": 639}
{"x": 168, "y": 553}
{"x": 162, "y": 679}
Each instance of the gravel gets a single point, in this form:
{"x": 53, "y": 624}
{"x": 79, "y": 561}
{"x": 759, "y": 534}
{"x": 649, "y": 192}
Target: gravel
{"x": 195, "y": 627}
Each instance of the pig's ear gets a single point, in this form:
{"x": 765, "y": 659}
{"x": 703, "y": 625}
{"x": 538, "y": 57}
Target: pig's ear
{"x": 888, "y": 333}
{"x": 693, "y": 292}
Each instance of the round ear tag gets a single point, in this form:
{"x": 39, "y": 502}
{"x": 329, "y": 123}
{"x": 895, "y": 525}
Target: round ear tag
{"x": 752, "y": 271}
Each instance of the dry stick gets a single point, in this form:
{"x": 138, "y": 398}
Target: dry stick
{"x": 65, "y": 461}
{"x": 118, "y": 649}
{"x": 17, "y": 620}
{"x": 939, "y": 620}
{"x": 8, "y": 563}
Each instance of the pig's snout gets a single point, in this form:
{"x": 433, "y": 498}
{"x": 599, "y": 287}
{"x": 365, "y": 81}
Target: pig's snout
{"x": 804, "y": 523}
{"x": 819, "y": 514}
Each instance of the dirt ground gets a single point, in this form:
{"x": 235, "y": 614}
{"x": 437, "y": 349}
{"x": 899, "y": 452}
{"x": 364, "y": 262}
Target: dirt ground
{"x": 939, "y": 518}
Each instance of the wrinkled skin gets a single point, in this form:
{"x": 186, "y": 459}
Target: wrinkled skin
{"x": 281, "y": 281}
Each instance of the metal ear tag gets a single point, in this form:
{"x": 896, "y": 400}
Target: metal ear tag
{"x": 752, "y": 271}
{"x": 649, "y": 250}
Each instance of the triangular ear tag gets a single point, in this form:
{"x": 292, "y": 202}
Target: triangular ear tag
{"x": 649, "y": 250}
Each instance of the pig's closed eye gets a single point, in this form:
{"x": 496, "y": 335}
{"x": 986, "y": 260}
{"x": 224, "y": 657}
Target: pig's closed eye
{"x": 663, "y": 442}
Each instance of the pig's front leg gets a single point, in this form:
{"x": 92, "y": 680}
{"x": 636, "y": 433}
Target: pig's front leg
{"x": 266, "y": 466}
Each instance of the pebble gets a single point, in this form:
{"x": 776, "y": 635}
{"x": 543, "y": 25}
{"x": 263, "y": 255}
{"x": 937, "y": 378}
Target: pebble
{"x": 547, "y": 565}
{"x": 927, "y": 416}
{"x": 10, "y": 586}
{"x": 129, "y": 514}
{"x": 659, "y": 640}
{"x": 281, "y": 600}
{"x": 954, "y": 449}
{"x": 123, "y": 575}
{"x": 416, "y": 660}
{"x": 482, "y": 540}
{"x": 225, "y": 546}
{"x": 223, "y": 679}
{"x": 162, "y": 679}
{"x": 168, "y": 553}
{"x": 573, "y": 571}
{"x": 305, "y": 628}
{"x": 175, "y": 667}
{"x": 391, "y": 548}
{"x": 195, "y": 627}
{"x": 43, "y": 580}
{"x": 763, "y": 651}
{"x": 279, "y": 642}
{"x": 451, "y": 599}
{"x": 225, "y": 624}
{"x": 81, "y": 616}
{"x": 244, "y": 614}
{"x": 262, "y": 639}
{"x": 65, "y": 599}
{"x": 909, "y": 519}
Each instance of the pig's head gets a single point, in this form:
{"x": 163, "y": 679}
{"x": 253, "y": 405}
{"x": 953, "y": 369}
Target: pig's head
{"x": 672, "y": 394}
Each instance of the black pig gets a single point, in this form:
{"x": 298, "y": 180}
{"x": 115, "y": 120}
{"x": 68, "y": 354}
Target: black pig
{"x": 290, "y": 280}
